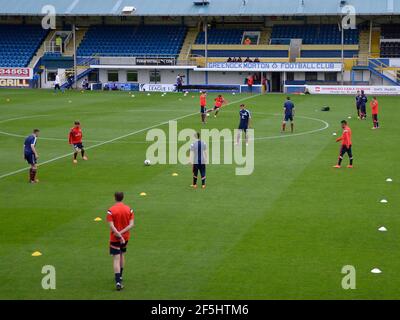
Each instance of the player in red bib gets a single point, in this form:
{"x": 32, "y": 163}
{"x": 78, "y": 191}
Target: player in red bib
{"x": 120, "y": 217}
{"x": 375, "y": 109}
{"x": 75, "y": 139}
{"x": 203, "y": 106}
{"x": 219, "y": 102}
{"x": 346, "y": 145}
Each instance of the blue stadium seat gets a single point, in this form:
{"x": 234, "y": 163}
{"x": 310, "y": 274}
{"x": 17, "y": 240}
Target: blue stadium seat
{"x": 221, "y": 36}
{"x": 132, "y": 41}
{"x": 19, "y": 43}
{"x": 313, "y": 34}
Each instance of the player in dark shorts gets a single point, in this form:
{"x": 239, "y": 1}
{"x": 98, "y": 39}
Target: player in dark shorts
{"x": 219, "y": 102}
{"x": 120, "y": 217}
{"x": 75, "y": 139}
{"x": 244, "y": 124}
{"x": 198, "y": 156}
{"x": 358, "y": 104}
{"x": 203, "y": 106}
{"x": 346, "y": 146}
{"x": 288, "y": 109}
{"x": 363, "y": 105}
{"x": 31, "y": 155}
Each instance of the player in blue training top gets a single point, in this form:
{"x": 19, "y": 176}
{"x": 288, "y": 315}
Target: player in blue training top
{"x": 363, "y": 105}
{"x": 358, "y": 104}
{"x": 245, "y": 121}
{"x": 288, "y": 109}
{"x": 31, "y": 155}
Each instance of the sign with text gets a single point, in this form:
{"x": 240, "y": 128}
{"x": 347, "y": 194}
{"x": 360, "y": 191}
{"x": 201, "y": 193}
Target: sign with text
{"x": 276, "y": 66}
{"x": 155, "y": 61}
{"x": 369, "y": 90}
{"x": 14, "y": 83}
{"x": 157, "y": 87}
{"x": 16, "y": 73}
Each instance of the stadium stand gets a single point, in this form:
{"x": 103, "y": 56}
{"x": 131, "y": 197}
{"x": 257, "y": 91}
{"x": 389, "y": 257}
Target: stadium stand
{"x": 390, "y": 46}
{"x": 19, "y": 43}
{"x": 133, "y": 41}
{"x": 221, "y": 36}
{"x": 390, "y": 31}
{"x": 313, "y": 34}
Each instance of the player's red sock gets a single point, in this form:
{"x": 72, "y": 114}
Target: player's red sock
{"x": 283, "y": 126}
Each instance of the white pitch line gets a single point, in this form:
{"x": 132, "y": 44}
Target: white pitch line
{"x": 114, "y": 139}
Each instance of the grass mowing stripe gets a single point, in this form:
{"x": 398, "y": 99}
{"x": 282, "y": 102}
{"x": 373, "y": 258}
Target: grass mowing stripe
{"x": 115, "y": 139}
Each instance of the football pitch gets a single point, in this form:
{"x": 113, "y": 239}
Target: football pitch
{"x": 283, "y": 232}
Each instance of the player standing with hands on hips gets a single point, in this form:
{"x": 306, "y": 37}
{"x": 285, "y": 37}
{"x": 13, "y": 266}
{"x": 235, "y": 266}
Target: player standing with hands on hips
{"x": 120, "y": 218}
{"x": 288, "y": 109}
{"x": 198, "y": 157}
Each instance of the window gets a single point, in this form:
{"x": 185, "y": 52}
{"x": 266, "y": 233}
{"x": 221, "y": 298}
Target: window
{"x": 112, "y": 76}
{"x": 290, "y": 76}
{"x": 51, "y": 75}
{"x": 331, "y": 77}
{"x": 132, "y": 76}
{"x": 155, "y": 76}
{"x": 93, "y": 77}
{"x": 311, "y": 76}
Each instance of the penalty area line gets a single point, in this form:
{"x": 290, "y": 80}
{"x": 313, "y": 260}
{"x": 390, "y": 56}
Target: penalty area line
{"x": 114, "y": 139}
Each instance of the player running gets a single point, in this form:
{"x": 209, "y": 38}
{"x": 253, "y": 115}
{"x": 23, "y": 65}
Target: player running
{"x": 288, "y": 110}
{"x": 244, "y": 125}
{"x": 198, "y": 156}
{"x": 203, "y": 106}
{"x": 374, "y": 112}
{"x": 346, "y": 145}
{"x": 31, "y": 155}
{"x": 219, "y": 102}
{"x": 120, "y": 217}
{"x": 75, "y": 139}
{"x": 358, "y": 104}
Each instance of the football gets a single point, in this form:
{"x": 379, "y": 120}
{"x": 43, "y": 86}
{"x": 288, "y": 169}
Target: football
{"x": 147, "y": 162}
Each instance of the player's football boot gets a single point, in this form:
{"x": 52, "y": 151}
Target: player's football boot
{"x": 350, "y": 166}
{"x": 194, "y": 186}
{"x": 34, "y": 181}
{"x": 85, "y": 158}
{"x": 337, "y": 166}
{"x": 119, "y": 286}
{"x": 203, "y": 186}
{"x": 75, "y": 161}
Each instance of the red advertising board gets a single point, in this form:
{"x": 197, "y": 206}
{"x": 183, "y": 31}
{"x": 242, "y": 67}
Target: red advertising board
{"x": 16, "y": 73}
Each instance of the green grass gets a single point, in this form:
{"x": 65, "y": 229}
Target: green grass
{"x": 284, "y": 232}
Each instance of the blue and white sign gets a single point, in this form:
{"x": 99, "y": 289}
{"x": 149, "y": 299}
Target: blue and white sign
{"x": 275, "y": 66}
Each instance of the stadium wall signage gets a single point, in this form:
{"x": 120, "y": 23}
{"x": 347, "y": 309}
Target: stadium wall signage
{"x": 369, "y": 90}
{"x": 155, "y": 61}
{"x": 16, "y": 73}
{"x": 14, "y": 83}
{"x": 156, "y": 87}
{"x": 276, "y": 66}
